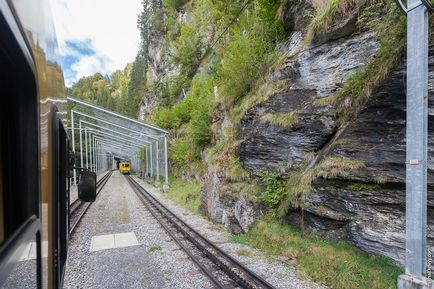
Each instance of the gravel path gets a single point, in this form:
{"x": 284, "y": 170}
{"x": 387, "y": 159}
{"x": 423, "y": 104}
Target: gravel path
{"x": 156, "y": 263}
{"x": 278, "y": 273}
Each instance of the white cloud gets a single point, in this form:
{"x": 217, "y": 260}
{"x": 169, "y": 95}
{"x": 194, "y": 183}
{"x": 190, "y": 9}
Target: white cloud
{"x": 109, "y": 26}
{"x": 88, "y": 65}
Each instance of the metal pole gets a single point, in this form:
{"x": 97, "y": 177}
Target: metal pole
{"x": 90, "y": 153}
{"x": 416, "y": 142}
{"x": 73, "y": 146}
{"x": 98, "y": 152}
{"x": 166, "y": 168}
{"x": 158, "y": 161}
{"x": 97, "y": 157}
{"x": 152, "y": 162}
{"x": 146, "y": 162}
{"x": 94, "y": 154}
{"x": 81, "y": 148}
{"x": 87, "y": 156}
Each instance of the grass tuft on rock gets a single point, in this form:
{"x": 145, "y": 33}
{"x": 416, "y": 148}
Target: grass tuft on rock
{"x": 328, "y": 14}
{"x": 359, "y": 86}
{"x": 334, "y": 264}
{"x": 298, "y": 186}
{"x": 288, "y": 120}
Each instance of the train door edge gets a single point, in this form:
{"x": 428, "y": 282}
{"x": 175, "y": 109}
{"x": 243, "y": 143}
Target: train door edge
{"x": 60, "y": 199}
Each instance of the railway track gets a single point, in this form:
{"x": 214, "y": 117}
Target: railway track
{"x": 78, "y": 209}
{"x": 223, "y": 270}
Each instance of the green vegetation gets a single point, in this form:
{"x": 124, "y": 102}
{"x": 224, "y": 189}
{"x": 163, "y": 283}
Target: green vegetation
{"x": 115, "y": 92}
{"x": 360, "y": 85}
{"x": 332, "y": 11}
{"x": 244, "y": 59}
{"x": 174, "y": 4}
{"x": 154, "y": 248}
{"x": 274, "y": 189}
{"x": 390, "y": 28}
{"x": 230, "y": 67}
{"x": 298, "y": 186}
{"x": 289, "y": 120}
{"x": 185, "y": 193}
{"x": 335, "y": 264}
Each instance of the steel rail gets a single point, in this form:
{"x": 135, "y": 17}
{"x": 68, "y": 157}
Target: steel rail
{"x": 237, "y": 272}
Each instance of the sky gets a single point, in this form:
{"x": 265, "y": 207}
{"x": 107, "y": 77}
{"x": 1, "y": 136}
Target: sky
{"x": 95, "y": 35}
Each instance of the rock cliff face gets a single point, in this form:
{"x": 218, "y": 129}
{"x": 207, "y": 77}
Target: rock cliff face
{"x": 316, "y": 73}
{"x": 223, "y": 205}
{"x": 367, "y": 206}
{"x": 160, "y": 68}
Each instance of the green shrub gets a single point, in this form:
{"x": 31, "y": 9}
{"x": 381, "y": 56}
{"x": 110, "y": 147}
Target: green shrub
{"x": 268, "y": 12}
{"x": 174, "y": 4}
{"x": 182, "y": 153}
{"x": 188, "y": 52}
{"x": 201, "y": 128}
{"x": 166, "y": 118}
{"x": 244, "y": 59}
{"x": 274, "y": 189}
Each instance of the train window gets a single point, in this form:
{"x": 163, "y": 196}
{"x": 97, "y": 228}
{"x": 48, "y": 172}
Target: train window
{"x": 19, "y": 158}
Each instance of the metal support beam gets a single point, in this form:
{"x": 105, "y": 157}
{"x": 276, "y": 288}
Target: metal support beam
{"x": 113, "y": 131}
{"x": 166, "y": 166}
{"x": 90, "y": 152}
{"x": 117, "y": 115}
{"x": 417, "y": 143}
{"x": 74, "y": 173}
{"x": 158, "y": 162}
{"x": 115, "y": 137}
{"x": 81, "y": 148}
{"x": 152, "y": 162}
{"x": 113, "y": 124}
{"x": 87, "y": 153}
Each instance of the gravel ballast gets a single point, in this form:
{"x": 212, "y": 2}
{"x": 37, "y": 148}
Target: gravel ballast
{"x": 278, "y": 273}
{"x": 156, "y": 263}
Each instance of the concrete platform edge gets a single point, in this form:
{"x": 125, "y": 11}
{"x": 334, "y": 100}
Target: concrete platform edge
{"x": 409, "y": 282}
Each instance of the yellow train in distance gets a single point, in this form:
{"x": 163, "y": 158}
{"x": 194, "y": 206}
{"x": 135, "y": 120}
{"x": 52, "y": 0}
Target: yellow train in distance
{"x": 125, "y": 168}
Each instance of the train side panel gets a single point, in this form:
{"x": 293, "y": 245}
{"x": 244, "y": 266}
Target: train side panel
{"x": 42, "y": 112}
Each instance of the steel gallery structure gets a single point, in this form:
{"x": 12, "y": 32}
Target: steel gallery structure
{"x": 98, "y": 136}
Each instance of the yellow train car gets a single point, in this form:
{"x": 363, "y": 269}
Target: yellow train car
{"x": 34, "y": 158}
{"x": 125, "y": 168}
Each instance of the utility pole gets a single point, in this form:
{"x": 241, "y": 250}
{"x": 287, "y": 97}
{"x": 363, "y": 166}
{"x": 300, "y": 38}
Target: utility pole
{"x": 416, "y": 146}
